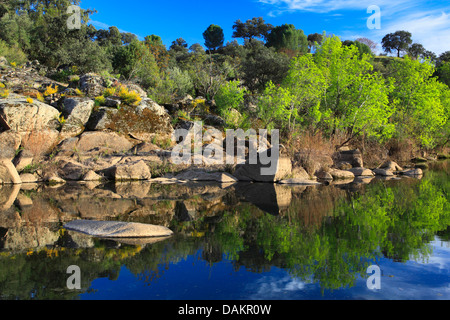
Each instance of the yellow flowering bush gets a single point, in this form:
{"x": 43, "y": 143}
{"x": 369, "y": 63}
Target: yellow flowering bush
{"x": 128, "y": 97}
{"x": 109, "y": 92}
{"x": 29, "y": 100}
{"x": 100, "y": 100}
{"x": 4, "y": 93}
{"x": 50, "y": 90}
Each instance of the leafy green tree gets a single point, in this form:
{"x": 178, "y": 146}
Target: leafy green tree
{"x": 110, "y": 37}
{"x": 443, "y": 72}
{"x": 274, "y": 107}
{"x": 398, "y": 41}
{"x": 418, "y": 97}
{"x": 214, "y": 37}
{"x": 251, "y": 29}
{"x": 179, "y": 46}
{"x": 356, "y": 100}
{"x": 230, "y": 96}
{"x": 288, "y": 37}
{"x": 307, "y": 84}
{"x": 128, "y": 37}
{"x": 416, "y": 51}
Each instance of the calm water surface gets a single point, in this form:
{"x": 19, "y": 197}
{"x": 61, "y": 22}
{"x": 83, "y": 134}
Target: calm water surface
{"x": 244, "y": 241}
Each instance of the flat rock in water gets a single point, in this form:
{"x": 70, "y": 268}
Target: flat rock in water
{"x": 114, "y": 229}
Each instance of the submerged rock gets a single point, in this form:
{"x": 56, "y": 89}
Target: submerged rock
{"x": 113, "y": 229}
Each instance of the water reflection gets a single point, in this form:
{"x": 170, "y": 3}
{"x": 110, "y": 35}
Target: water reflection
{"x": 324, "y": 235}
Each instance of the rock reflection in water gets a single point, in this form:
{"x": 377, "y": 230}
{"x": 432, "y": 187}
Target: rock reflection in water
{"x": 308, "y": 230}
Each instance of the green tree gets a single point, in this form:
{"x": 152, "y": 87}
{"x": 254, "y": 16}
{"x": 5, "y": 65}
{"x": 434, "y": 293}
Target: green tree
{"x": 274, "y": 107}
{"x": 261, "y": 65}
{"x": 421, "y": 110}
{"x": 135, "y": 62}
{"x": 214, "y": 37}
{"x": 398, "y": 41}
{"x": 288, "y": 37}
{"x": 307, "y": 84}
{"x": 251, "y": 29}
{"x": 356, "y": 99}
{"x": 416, "y": 51}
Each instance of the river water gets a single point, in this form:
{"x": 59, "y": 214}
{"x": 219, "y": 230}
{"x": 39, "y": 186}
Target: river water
{"x": 367, "y": 239}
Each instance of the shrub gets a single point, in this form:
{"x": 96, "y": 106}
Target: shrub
{"x": 129, "y": 97}
{"x": 50, "y": 90}
{"x": 100, "y": 101}
{"x": 4, "y": 93}
{"x": 29, "y": 100}
{"x": 13, "y": 54}
{"x": 230, "y": 96}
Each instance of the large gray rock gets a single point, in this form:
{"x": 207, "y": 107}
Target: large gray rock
{"x": 132, "y": 171}
{"x": 101, "y": 118}
{"x": 383, "y": 172}
{"x": 353, "y": 157}
{"x": 391, "y": 166}
{"x": 112, "y": 229}
{"x": 152, "y": 106}
{"x": 341, "y": 174}
{"x": 255, "y": 172}
{"x": 76, "y": 112}
{"x": 362, "y": 172}
{"x": 92, "y": 85}
{"x": 21, "y": 116}
{"x": 97, "y": 142}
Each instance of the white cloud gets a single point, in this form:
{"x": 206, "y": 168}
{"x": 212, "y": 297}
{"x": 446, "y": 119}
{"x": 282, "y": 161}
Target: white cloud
{"x": 325, "y": 6}
{"x": 428, "y": 21}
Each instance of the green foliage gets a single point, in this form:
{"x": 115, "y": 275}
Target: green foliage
{"x": 356, "y": 100}
{"x": 420, "y": 100}
{"x": 398, "y": 41}
{"x": 262, "y": 65}
{"x": 135, "y": 62}
{"x": 231, "y": 95}
{"x": 274, "y": 107}
{"x": 214, "y": 37}
{"x": 175, "y": 83}
{"x": 307, "y": 83}
{"x": 230, "y": 101}
{"x": 12, "y": 53}
{"x": 252, "y": 28}
{"x": 288, "y": 37}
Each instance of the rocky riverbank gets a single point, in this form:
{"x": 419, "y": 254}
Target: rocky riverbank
{"x": 52, "y": 132}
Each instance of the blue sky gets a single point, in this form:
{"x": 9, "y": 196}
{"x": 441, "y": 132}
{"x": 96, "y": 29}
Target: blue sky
{"x": 428, "y": 21}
